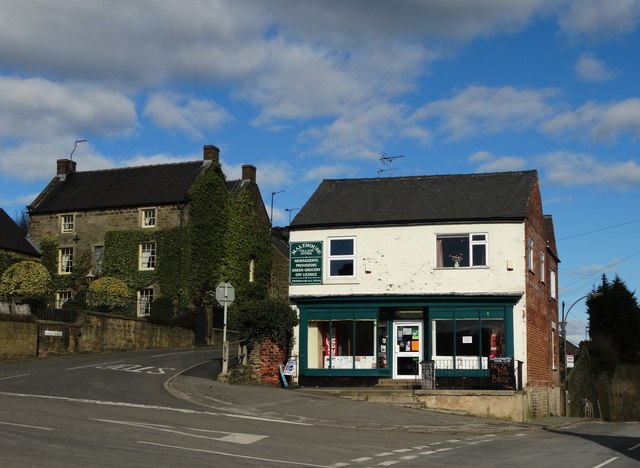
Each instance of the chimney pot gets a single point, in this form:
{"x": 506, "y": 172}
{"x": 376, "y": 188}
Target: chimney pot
{"x": 211, "y": 153}
{"x": 65, "y": 166}
{"x": 249, "y": 173}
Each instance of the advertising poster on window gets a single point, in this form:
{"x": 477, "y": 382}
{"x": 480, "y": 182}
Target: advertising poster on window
{"x": 306, "y": 263}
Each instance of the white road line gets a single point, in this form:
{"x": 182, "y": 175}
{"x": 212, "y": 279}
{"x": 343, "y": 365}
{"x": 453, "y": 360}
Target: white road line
{"x": 408, "y": 457}
{"x": 383, "y": 454}
{"x": 225, "y": 454}
{"x": 171, "y": 354}
{"x": 27, "y": 426}
{"x": 606, "y": 462}
{"x": 361, "y": 459}
{"x": 94, "y": 365}
{"x": 633, "y": 448}
{"x": 14, "y": 376}
{"x": 428, "y": 452}
{"x": 153, "y": 407}
{"x": 233, "y": 437}
{"x": 402, "y": 450}
{"x": 389, "y": 463}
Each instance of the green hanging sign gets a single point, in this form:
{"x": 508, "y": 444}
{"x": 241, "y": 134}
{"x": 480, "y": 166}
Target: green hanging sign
{"x": 306, "y": 263}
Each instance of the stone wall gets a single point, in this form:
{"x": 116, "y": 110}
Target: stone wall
{"x": 542, "y": 402}
{"x": 18, "y": 340}
{"x": 95, "y": 332}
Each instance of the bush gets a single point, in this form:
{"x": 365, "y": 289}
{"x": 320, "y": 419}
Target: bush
{"x": 107, "y": 294}
{"x": 27, "y": 278}
{"x": 258, "y": 321}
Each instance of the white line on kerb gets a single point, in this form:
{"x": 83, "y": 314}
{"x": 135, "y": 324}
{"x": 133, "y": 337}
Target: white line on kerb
{"x": 27, "y": 426}
{"x": 154, "y": 407}
{"x": 14, "y": 376}
{"x": 633, "y": 448}
{"x": 606, "y": 462}
{"x": 225, "y": 454}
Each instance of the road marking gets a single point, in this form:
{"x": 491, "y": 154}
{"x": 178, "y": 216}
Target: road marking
{"x": 171, "y": 354}
{"x": 606, "y": 462}
{"x": 233, "y": 437}
{"x": 402, "y": 450}
{"x": 633, "y": 448}
{"x": 93, "y": 365}
{"x": 27, "y": 426}
{"x": 361, "y": 459}
{"x": 14, "y": 376}
{"x": 383, "y": 454}
{"x": 226, "y": 454}
{"x": 389, "y": 463}
{"x": 153, "y": 407}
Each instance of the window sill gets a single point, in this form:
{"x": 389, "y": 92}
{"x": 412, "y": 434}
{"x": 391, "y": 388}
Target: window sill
{"x": 345, "y": 280}
{"x": 482, "y": 267}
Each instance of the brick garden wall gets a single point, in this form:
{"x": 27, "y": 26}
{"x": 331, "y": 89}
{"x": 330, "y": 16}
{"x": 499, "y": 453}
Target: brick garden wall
{"x": 264, "y": 361}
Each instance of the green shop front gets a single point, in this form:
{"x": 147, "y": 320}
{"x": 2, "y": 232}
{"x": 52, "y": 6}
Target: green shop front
{"x": 358, "y": 341}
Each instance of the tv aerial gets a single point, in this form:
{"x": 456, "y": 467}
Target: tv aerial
{"x": 388, "y": 160}
{"x": 75, "y": 145}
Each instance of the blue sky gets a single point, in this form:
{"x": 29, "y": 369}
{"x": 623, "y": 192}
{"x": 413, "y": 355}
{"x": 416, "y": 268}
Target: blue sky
{"x": 306, "y": 90}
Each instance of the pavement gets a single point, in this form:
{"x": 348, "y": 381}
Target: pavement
{"x": 319, "y": 407}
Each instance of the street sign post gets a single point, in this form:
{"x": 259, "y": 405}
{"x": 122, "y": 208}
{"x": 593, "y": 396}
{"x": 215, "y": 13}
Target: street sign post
{"x": 225, "y": 295}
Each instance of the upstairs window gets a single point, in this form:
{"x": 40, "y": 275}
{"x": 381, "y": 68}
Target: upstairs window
{"x": 65, "y": 260}
{"x": 461, "y": 250}
{"x": 148, "y": 217}
{"x": 98, "y": 255}
{"x": 342, "y": 256}
{"x": 67, "y": 223}
{"x": 147, "y": 256}
{"x": 530, "y": 253}
{"x": 542, "y": 276}
{"x": 552, "y": 287}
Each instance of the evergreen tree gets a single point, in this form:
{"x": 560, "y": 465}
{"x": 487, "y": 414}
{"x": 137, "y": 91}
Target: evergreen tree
{"x": 614, "y": 323}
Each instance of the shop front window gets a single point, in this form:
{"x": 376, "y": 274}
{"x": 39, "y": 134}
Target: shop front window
{"x": 341, "y": 344}
{"x": 467, "y": 344}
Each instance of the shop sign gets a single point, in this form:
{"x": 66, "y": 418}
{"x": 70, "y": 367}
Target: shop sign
{"x": 306, "y": 263}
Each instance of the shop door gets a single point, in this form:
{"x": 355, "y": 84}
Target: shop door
{"x": 407, "y": 350}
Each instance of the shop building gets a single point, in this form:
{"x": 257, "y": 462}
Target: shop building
{"x": 456, "y": 271}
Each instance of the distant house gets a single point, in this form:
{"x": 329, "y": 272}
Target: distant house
{"x": 458, "y": 270}
{"x": 13, "y": 242}
{"x": 163, "y": 229}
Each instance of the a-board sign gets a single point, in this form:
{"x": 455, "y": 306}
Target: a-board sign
{"x": 501, "y": 373}
{"x": 306, "y": 263}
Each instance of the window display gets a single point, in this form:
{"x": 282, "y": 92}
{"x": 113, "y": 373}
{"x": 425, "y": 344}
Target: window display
{"x": 341, "y": 344}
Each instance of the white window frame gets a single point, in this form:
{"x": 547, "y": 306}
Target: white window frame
{"x": 147, "y": 256}
{"x": 148, "y": 217}
{"x": 98, "y": 260}
{"x": 67, "y": 222}
{"x": 350, "y": 257}
{"x": 530, "y": 253}
{"x": 542, "y": 267}
{"x": 145, "y": 299}
{"x": 472, "y": 242}
{"x": 62, "y": 297}
{"x": 252, "y": 270}
{"x": 65, "y": 260}
{"x": 552, "y": 287}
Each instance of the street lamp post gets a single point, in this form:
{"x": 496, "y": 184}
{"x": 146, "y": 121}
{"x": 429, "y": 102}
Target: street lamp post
{"x": 273, "y": 194}
{"x": 563, "y": 328}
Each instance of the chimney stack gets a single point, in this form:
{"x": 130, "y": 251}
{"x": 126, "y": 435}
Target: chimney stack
{"x": 211, "y": 153}
{"x": 249, "y": 173}
{"x": 65, "y": 166}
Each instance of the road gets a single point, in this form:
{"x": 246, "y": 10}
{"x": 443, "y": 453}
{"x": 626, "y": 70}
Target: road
{"x": 112, "y": 410}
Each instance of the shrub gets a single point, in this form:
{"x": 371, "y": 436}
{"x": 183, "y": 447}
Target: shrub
{"x": 108, "y": 293}
{"x": 265, "y": 319}
{"x": 27, "y": 278}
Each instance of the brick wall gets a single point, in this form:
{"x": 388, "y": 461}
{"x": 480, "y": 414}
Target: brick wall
{"x": 264, "y": 361}
{"x": 18, "y": 340}
{"x": 542, "y": 310}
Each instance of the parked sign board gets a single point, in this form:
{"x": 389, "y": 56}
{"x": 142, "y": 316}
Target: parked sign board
{"x": 306, "y": 263}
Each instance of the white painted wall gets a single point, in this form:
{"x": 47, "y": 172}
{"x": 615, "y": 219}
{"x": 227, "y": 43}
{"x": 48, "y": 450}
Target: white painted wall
{"x": 402, "y": 261}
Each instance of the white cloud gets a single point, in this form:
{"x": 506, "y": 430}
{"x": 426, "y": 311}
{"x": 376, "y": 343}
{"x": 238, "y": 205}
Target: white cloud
{"x": 481, "y": 109}
{"x": 599, "y": 121}
{"x": 319, "y": 173}
{"x": 598, "y": 18}
{"x": 589, "y": 68}
{"x": 38, "y": 109}
{"x": 567, "y": 168}
{"x": 490, "y": 163}
{"x": 184, "y": 114}
{"x": 147, "y": 160}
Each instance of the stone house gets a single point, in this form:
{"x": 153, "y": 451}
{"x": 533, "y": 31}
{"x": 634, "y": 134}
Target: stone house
{"x": 451, "y": 274}
{"x": 80, "y": 212}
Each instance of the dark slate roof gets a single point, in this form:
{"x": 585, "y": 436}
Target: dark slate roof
{"x": 125, "y": 187}
{"x": 12, "y": 238}
{"x": 419, "y": 199}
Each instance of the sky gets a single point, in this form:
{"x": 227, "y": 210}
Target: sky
{"x": 308, "y": 90}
